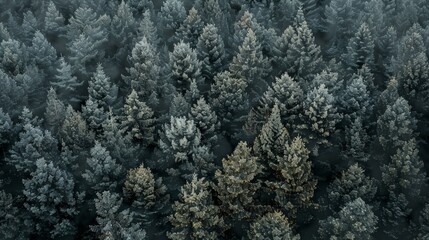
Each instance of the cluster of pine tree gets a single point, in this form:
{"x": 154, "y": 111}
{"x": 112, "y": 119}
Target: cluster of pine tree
{"x": 214, "y": 119}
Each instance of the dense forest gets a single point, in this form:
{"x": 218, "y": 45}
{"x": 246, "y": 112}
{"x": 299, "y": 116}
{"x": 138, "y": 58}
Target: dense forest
{"x": 214, "y": 119}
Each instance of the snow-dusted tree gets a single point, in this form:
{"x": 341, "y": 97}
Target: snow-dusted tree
{"x": 332, "y": 80}
{"x": 75, "y": 133}
{"x": 206, "y": 120}
{"x": 28, "y": 26}
{"x": 104, "y": 172}
{"x": 360, "y": 50}
{"x": 51, "y": 200}
{"x": 351, "y": 185}
{"x": 211, "y": 51}
{"x": 395, "y": 126}
{"x": 213, "y": 12}
{"x": 144, "y": 73}
{"x": 271, "y": 140}
{"x": 191, "y": 28}
{"x": 118, "y": 142}
{"x": 195, "y": 216}
{"x": 423, "y": 223}
{"x": 94, "y": 114}
{"x": 320, "y": 115}
{"x": 295, "y": 183}
{"x": 251, "y": 66}
{"x": 12, "y": 96}
{"x": 148, "y": 29}
{"x": 101, "y": 89}
{"x": 113, "y": 223}
{"x": 140, "y": 6}
{"x": 54, "y": 20}
{"x": 146, "y": 193}
{"x": 236, "y": 183}
{"x": 55, "y": 112}
{"x": 13, "y": 56}
{"x": 355, "y": 101}
{"x": 12, "y": 226}
{"x": 6, "y": 127}
{"x": 179, "y": 107}
{"x": 287, "y": 94}
{"x": 140, "y": 119}
{"x": 387, "y": 97}
{"x": 185, "y": 67}
{"x": 405, "y": 173}
{"x": 229, "y": 99}
{"x": 356, "y": 220}
{"x": 65, "y": 83}
{"x": 273, "y": 225}
{"x": 33, "y": 144}
{"x": 357, "y": 141}
{"x": 171, "y": 16}
{"x": 303, "y": 53}
{"x": 123, "y": 30}
{"x": 43, "y": 53}
{"x": 282, "y": 44}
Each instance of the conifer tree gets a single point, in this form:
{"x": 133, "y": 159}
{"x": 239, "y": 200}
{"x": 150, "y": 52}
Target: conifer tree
{"x": 195, "y": 215}
{"x": 185, "y": 67}
{"x": 144, "y": 73}
{"x": 43, "y": 53}
{"x": 14, "y": 57}
{"x": 6, "y": 127}
{"x": 395, "y": 126}
{"x": 211, "y": 51}
{"x": 351, "y": 185}
{"x": 51, "y": 200}
{"x": 32, "y": 145}
{"x": 101, "y": 90}
{"x": 123, "y": 29}
{"x": 281, "y": 61}
{"x": 320, "y": 115}
{"x": 356, "y": 220}
{"x": 191, "y": 28}
{"x": 12, "y": 226}
{"x": 295, "y": 183}
{"x": 213, "y": 12}
{"x": 387, "y": 97}
{"x": 357, "y": 141}
{"x": 54, "y": 20}
{"x": 29, "y": 27}
{"x": 94, "y": 114}
{"x": 229, "y": 99}
{"x": 179, "y": 106}
{"x": 272, "y": 225}
{"x": 148, "y": 29}
{"x": 139, "y": 119}
{"x": 333, "y": 82}
{"x": 113, "y": 223}
{"x": 355, "y": 102}
{"x": 360, "y": 50}
{"x": 55, "y": 112}
{"x": 251, "y": 66}
{"x": 271, "y": 140}
{"x": 171, "y": 16}
{"x": 206, "y": 121}
{"x": 65, "y": 83}
{"x": 139, "y": 7}
{"x": 104, "y": 172}
{"x": 236, "y": 182}
{"x": 75, "y": 132}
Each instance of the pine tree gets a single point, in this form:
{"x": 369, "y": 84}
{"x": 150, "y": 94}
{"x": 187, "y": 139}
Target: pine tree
{"x": 356, "y": 220}
{"x": 101, "y": 89}
{"x": 195, "y": 215}
{"x": 65, "y": 84}
{"x": 295, "y": 183}
{"x": 112, "y": 223}
{"x": 281, "y": 61}
{"x": 14, "y": 57}
{"x": 357, "y": 141}
{"x": 424, "y": 223}
{"x": 55, "y": 112}
{"x": 333, "y": 82}
{"x": 171, "y": 16}
{"x": 360, "y": 50}
{"x": 211, "y": 51}
{"x": 387, "y": 97}
{"x": 75, "y": 132}
{"x": 54, "y": 20}
{"x": 405, "y": 173}
{"x": 303, "y": 54}
{"x": 94, "y": 114}
{"x": 185, "y": 67}
{"x": 206, "y": 121}
{"x": 355, "y": 101}
{"x": 148, "y": 29}
{"x": 213, "y": 12}
{"x": 271, "y": 140}
{"x": 12, "y": 226}
{"x": 351, "y": 185}
{"x": 236, "y": 182}
{"x": 191, "y": 28}
{"x": 320, "y": 115}
{"x": 272, "y": 225}
{"x": 140, "y": 7}
{"x": 32, "y": 145}
{"x": 28, "y": 26}
{"x": 395, "y": 126}
{"x": 251, "y": 66}
{"x": 179, "y": 106}
{"x": 51, "y": 200}
{"x": 12, "y": 96}
{"x": 43, "y": 53}
{"x": 123, "y": 30}
{"x": 104, "y": 172}
{"x": 144, "y": 73}
{"x": 229, "y": 99}
{"x": 6, "y": 127}
{"x": 145, "y": 192}
{"x": 139, "y": 119}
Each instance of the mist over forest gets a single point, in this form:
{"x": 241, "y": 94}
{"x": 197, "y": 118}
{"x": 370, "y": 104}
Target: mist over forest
{"x": 214, "y": 119}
